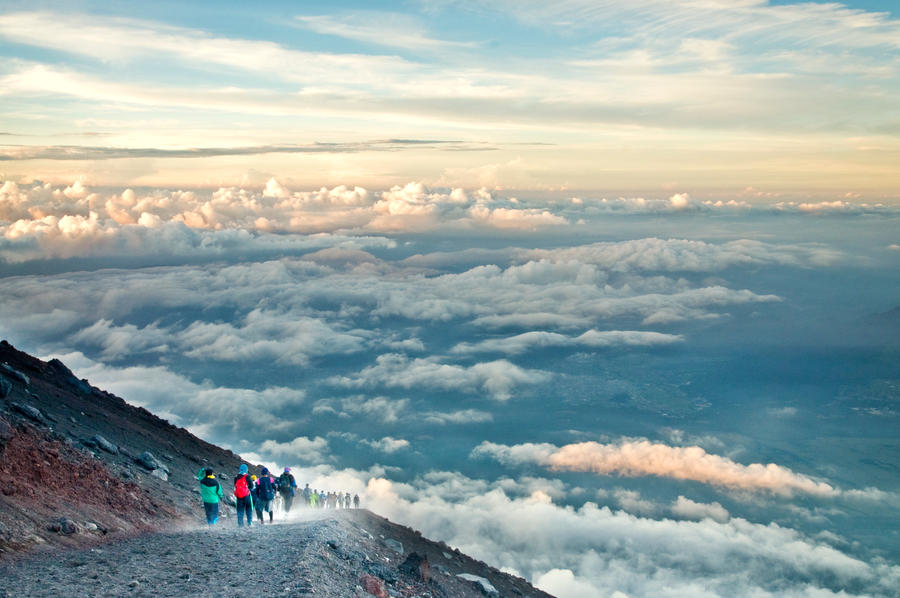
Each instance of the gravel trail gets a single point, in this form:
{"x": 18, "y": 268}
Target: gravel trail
{"x": 275, "y": 560}
{"x": 325, "y": 555}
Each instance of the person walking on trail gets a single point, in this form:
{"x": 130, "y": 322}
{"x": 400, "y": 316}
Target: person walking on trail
{"x": 242, "y": 487}
{"x": 306, "y": 494}
{"x": 254, "y": 492}
{"x": 265, "y": 490}
{"x": 286, "y": 486}
{"x": 211, "y": 493}
{"x": 356, "y": 501}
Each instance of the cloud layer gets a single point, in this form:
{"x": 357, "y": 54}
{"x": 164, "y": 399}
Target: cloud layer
{"x": 645, "y": 458}
{"x": 595, "y": 550}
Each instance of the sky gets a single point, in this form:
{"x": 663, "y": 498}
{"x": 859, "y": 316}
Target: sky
{"x": 705, "y": 96}
{"x": 602, "y": 293}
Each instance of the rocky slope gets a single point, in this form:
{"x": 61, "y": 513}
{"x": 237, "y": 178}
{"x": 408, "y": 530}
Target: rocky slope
{"x": 98, "y": 498}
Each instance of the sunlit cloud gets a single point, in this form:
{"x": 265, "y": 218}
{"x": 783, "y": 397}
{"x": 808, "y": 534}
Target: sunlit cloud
{"x": 644, "y": 458}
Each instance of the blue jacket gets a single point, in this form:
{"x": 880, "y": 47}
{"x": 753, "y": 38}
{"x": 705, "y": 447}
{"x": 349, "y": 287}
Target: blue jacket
{"x": 265, "y": 489}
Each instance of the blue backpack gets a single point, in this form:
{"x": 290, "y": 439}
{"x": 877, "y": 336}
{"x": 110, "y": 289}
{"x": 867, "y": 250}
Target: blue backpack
{"x": 265, "y": 488}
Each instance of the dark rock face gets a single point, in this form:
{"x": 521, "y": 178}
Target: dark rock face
{"x": 416, "y": 566}
{"x": 14, "y": 373}
{"x": 32, "y": 413}
{"x": 6, "y": 387}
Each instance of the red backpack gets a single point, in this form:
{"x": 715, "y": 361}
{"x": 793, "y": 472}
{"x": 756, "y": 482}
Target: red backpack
{"x": 241, "y": 489}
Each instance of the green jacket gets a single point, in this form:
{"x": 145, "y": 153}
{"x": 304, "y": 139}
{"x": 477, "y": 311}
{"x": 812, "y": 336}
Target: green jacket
{"x": 210, "y": 488}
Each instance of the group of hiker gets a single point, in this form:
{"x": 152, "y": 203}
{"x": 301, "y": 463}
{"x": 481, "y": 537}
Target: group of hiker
{"x": 261, "y": 493}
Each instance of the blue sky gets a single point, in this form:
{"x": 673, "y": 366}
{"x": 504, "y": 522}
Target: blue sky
{"x": 602, "y": 293}
{"x": 793, "y": 98}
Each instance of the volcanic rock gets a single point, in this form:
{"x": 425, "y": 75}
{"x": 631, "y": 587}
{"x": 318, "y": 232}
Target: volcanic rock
{"x": 32, "y": 413}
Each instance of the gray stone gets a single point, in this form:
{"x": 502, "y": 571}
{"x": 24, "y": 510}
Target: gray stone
{"x": 91, "y": 527}
{"x": 486, "y": 588}
{"x": 105, "y": 444}
{"x": 32, "y": 413}
{"x": 16, "y": 374}
{"x": 65, "y": 526}
{"x": 159, "y": 473}
{"x": 148, "y": 461}
{"x": 394, "y": 545}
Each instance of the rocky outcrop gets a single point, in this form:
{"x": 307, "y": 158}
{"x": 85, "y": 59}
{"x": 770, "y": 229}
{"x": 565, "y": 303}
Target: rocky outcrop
{"x": 148, "y": 461}
{"x": 98, "y": 441}
{"x": 32, "y": 413}
{"x": 15, "y": 374}
{"x": 394, "y": 545}
{"x": 483, "y": 584}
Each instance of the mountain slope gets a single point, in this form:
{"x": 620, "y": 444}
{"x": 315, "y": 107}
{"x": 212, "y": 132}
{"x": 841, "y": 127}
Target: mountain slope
{"x": 79, "y": 467}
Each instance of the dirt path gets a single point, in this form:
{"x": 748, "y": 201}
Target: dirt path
{"x": 323, "y": 555}
{"x": 273, "y": 560}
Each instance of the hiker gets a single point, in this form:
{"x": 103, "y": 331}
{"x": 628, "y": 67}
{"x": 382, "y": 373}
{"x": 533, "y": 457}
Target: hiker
{"x": 286, "y": 485}
{"x": 314, "y": 498}
{"x": 356, "y": 501}
{"x": 347, "y": 500}
{"x": 243, "y": 499}
{"x": 210, "y": 492}
{"x": 265, "y": 490}
{"x": 254, "y": 492}
{"x": 306, "y": 494}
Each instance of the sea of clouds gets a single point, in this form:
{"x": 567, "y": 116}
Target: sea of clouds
{"x": 416, "y": 346}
